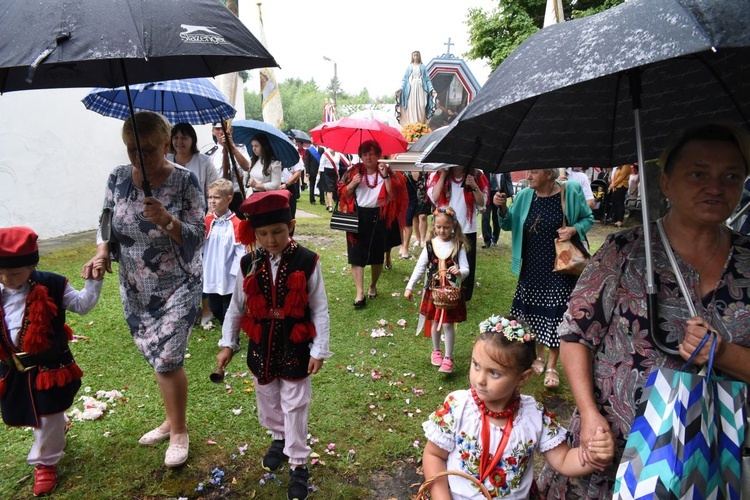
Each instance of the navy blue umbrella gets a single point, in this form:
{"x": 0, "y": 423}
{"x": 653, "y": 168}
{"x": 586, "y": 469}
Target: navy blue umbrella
{"x": 195, "y": 100}
{"x": 284, "y": 149}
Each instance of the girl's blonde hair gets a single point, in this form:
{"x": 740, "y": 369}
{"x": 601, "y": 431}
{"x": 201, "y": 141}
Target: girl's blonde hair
{"x": 458, "y": 238}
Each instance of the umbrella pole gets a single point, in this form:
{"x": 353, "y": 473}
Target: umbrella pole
{"x": 146, "y": 185}
{"x": 652, "y": 303}
{"x": 236, "y": 170}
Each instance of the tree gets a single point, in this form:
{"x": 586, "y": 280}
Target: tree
{"x": 303, "y": 103}
{"x": 494, "y": 35}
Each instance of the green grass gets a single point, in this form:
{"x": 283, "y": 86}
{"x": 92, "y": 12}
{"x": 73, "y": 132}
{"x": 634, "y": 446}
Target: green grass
{"x": 379, "y": 418}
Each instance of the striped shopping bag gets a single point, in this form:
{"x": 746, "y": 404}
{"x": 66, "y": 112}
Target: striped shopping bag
{"x": 686, "y": 438}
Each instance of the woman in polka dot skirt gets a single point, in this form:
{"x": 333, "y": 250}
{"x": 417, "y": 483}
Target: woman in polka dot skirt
{"x": 535, "y": 219}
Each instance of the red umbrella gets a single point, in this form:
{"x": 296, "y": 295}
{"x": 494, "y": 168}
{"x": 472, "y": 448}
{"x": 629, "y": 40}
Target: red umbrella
{"x": 345, "y": 135}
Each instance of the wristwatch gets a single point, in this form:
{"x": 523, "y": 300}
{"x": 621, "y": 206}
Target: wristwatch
{"x": 170, "y": 226}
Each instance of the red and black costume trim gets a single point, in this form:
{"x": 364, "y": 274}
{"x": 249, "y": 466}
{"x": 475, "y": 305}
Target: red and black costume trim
{"x": 52, "y": 384}
{"x": 277, "y": 314}
{"x": 444, "y": 198}
{"x": 427, "y": 308}
{"x": 392, "y": 208}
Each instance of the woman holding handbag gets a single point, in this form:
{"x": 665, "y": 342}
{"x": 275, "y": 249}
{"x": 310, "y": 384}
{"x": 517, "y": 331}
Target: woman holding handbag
{"x": 607, "y": 350}
{"x": 378, "y": 197}
{"x": 536, "y": 220}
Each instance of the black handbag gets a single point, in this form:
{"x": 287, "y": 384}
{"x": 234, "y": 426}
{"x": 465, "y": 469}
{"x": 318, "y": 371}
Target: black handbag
{"x": 341, "y": 221}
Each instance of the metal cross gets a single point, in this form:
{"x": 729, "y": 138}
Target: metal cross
{"x": 448, "y": 43}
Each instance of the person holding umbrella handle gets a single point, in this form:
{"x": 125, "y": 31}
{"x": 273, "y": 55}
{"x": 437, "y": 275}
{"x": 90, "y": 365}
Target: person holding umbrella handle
{"x": 607, "y": 349}
{"x": 160, "y": 239}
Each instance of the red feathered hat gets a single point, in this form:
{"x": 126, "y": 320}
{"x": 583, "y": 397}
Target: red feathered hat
{"x": 18, "y": 247}
{"x": 263, "y": 209}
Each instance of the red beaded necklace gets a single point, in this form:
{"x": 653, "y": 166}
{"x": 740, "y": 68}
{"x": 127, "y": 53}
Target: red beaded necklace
{"x": 367, "y": 178}
{"x": 515, "y": 403}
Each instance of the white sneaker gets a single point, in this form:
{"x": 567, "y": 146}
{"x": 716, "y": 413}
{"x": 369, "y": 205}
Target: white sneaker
{"x": 416, "y": 244}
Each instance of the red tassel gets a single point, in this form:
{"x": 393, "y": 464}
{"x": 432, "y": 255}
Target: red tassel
{"x": 296, "y": 299}
{"x": 246, "y": 233}
{"x": 59, "y": 377}
{"x": 2, "y": 388}
{"x": 41, "y": 309}
{"x": 302, "y": 332}
{"x": 256, "y": 306}
{"x": 68, "y": 332}
{"x": 252, "y": 329}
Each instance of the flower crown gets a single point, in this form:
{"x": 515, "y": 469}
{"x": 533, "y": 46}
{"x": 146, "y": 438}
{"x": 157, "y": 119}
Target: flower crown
{"x": 510, "y": 328}
{"x": 444, "y": 211}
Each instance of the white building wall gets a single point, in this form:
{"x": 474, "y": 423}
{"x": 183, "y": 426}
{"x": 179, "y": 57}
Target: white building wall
{"x": 55, "y": 156}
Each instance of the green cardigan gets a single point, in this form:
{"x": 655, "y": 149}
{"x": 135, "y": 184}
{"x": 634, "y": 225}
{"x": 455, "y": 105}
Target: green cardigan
{"x": 577, "y": 212}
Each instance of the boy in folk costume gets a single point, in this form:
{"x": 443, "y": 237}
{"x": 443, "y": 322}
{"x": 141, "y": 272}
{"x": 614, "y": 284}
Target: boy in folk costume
{"x": 38, "y": 375}
{"x": 280, "y": 303}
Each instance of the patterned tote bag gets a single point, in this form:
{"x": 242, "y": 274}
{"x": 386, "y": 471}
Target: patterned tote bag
{"x": 688, "y": 432}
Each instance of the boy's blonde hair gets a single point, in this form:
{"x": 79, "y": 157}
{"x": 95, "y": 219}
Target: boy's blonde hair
{"x": 458, "y": 238}
{"x": 224, "y": 186}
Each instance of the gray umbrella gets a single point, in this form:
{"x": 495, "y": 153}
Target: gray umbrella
{"x": 596, "y": 91}
{"x": 113, "y": 43}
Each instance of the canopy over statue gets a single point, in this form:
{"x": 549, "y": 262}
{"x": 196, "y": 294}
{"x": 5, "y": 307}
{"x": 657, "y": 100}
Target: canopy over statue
{"x": 415, "y": 100}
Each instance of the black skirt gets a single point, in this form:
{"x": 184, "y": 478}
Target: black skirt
{"x": 368, "y": 247}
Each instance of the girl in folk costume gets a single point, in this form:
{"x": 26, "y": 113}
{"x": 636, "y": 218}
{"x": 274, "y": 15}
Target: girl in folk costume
{"x": 444, "y": 256}
{"x": 378, "y": 196}
{"x": 492, "y": 431}
{"x": 449, "y": 187}
{"x": 38, "y": 376}
{"x": 281, "y": 306}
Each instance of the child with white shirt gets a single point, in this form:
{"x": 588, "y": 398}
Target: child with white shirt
{"x": 222, "y": 249}
{"x": 280, "y": 303}
{"x": 444, "y": 258}
{"x": 38, "y": 376}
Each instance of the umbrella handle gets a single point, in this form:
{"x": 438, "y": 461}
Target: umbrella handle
{"x": 145, "y": 184}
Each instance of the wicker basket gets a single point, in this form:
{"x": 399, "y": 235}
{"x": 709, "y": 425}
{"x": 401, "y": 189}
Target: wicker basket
{"x": 445, "y": 295}
{"x": 424, "y": 489}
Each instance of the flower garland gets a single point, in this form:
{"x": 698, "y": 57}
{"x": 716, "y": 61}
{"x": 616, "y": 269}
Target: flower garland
{"x": 509, "y": 327}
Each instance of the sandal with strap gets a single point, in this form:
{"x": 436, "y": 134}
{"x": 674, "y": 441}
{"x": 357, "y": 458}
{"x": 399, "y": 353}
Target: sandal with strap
{"x": 552, "y": 379}
{"x": 538, "y": 365}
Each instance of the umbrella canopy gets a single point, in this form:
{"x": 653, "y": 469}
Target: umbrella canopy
{"x": 284, "y": 149}
{"x": 299, "y": 135}
{"x": 346, "y": 135}
{"x": 195, "y": 100}
{"x": 565, "y": 96}
{"x": 109, "y": 43}
{"x": 379, "y": 115}
{"x": 429, "y": 140}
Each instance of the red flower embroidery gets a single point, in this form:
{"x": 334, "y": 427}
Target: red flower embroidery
{"x": 497, "y": 478}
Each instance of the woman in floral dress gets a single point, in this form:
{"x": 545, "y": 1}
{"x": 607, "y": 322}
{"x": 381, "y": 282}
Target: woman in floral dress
{"x": 607, "y": 351}
{"x": 159, "y": 241}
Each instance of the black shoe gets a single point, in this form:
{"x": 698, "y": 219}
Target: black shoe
{"x": 494, "y": 243}
{"x": 299, "y": 483}
{"x": 274, "y": 457}
{"x": 360, "y": 304}
{"x": 312, "y": 202}
{"x": 486, "y": 245}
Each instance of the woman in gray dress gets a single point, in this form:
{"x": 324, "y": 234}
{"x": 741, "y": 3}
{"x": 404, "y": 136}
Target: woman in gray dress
{"x": 159, "y": 239}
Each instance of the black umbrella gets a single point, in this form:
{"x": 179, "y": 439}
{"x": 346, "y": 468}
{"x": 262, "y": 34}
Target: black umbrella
{"x": 596, "y": 91}
{"x": 113, "y": 43}
{"x": 299, "y": 135}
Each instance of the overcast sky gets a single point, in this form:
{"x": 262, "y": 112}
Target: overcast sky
{"x": 371, "y": 42}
